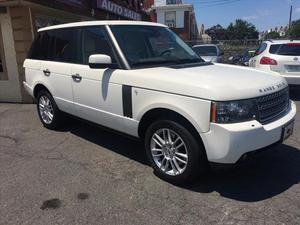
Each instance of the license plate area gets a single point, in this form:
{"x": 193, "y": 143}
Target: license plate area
{"x": 287, "y": 131}
{"x": 292, "y": 68}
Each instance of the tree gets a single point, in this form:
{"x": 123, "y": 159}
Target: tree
{"x": 272, "y": 35}
{"x": 217, "y": 32}
{"x": 294, "y": 31}
{"x": 241, "y": 30}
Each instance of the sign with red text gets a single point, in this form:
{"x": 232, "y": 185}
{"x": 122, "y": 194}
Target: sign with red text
{"x": 118, "y": 9}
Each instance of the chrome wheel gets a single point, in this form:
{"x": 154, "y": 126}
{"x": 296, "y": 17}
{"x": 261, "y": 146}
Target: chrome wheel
{"x": 46, "y": 109}
{"x": 169, "y": 152}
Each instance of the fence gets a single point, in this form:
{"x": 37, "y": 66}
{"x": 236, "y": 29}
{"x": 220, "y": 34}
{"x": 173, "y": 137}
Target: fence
{"x": 229, "y": 47}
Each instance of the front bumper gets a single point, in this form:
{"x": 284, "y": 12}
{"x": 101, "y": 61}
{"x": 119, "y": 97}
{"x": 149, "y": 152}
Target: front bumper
{"x": 226, "y": 143}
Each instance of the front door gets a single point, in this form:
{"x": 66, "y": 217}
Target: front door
{"x": 96, "y": 98}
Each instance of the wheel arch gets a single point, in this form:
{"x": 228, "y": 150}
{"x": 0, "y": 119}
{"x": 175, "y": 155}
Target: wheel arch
{"x": 38, "y": 87}
{"x": 164, "y": 113}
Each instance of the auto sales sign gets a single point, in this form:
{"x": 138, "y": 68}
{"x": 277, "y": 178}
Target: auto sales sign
{"x": 118, "y": 9}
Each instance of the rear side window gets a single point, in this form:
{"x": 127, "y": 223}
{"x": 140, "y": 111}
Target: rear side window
{"x": 95, "y": 41}
{"x": 292, "y": 49}
{"x": 39, "y": 48}
{"x": 55, "y": 45}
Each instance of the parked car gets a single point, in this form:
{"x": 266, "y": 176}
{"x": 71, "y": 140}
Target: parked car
{"x": 209, "y": 52}
{"x": 242, "y": 60}
{"x": 141, "y": 79}
{"x": 281, "y": 57}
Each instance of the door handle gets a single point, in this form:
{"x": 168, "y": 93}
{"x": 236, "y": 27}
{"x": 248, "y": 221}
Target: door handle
{"x": 76, "y": 77}
{"x": 47, "y": 72}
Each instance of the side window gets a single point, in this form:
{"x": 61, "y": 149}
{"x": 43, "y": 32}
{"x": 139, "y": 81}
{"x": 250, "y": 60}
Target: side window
{"x": 55, "y": 45}
{"x": 95, "y": 41}
{"x": 62, "y": 46}
{"x": 261, "y": 48}
{"x": 39, "y": 48}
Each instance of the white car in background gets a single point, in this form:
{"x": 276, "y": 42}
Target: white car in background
{"x": 281, "y": 57}
{"x": 209, "y": 52}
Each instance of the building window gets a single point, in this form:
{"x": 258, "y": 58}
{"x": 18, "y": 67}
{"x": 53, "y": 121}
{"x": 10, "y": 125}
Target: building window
{"x": 3, "y": 74}
{"x": 171, "y": 2}
{"x": 170, "y": 19}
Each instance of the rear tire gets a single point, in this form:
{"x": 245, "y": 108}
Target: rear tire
{"x": 48, "y": 112}
{"x": 174, "y": 153}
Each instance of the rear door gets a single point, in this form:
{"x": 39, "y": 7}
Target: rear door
{"x": 287, "y": 57}
{"x": 56, "y": 67}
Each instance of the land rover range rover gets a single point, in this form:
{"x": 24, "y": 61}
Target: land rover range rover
{"x": 141, "y": 79}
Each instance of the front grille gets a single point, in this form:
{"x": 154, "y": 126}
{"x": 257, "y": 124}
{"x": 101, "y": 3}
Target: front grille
{"x": 273, "y": 106}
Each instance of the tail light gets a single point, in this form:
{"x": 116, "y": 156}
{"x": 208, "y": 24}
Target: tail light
{"x": 267, "y": 61}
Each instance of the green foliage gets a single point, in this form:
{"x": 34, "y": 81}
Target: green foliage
{"x": 240, "y": 30}
{"x": 294, "y": 31}
{"x": 272, "y": 35}
{"x": 217, "y": 32}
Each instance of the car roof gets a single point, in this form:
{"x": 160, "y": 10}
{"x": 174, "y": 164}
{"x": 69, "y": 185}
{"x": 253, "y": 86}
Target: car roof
{"x": 101, "y": 22}
{"x": 282, "y": 41}
{"x": 203, "y": 45}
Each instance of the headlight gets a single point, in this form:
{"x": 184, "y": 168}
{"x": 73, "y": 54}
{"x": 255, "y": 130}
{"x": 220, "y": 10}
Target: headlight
{"x": 234, "y": 111}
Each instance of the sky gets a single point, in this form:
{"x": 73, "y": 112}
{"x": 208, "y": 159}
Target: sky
{"x": 264, "y": 14}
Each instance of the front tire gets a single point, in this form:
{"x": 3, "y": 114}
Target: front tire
{"x": 174, "y": 153}
{"x": 48, "y": 111}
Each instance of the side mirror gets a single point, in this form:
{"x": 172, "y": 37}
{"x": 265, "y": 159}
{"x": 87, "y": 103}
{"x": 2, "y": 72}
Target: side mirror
{"x": 221, "y": 53}
{"x": 100, "y": 61}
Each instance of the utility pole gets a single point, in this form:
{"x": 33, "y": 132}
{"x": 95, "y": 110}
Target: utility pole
{"x": 291, "y": 12}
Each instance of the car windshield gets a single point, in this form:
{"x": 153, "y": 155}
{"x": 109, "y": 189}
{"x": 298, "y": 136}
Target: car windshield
{"x": 206, "y": 50}
{"x": 152, "y": 45}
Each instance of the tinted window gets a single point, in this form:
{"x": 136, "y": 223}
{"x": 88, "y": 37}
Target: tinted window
{"x": 55, "y": 45}
{"x": 62, "y": 46}
{"x": 206, "y": 50}
{"x": 39, "y": 48}
{"x": 274, "y": 49}
{"x": 289, "y": 49}
{"x": 95, "y": 41}
{"x": 261, "y": 48}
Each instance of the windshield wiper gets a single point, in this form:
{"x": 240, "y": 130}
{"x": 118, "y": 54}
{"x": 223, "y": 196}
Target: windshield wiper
{"x": 171, "y": 61}
{"x": 154, "y": 62}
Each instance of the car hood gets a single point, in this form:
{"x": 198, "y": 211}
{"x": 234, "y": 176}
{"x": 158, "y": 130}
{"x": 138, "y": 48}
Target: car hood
{"x": 218, "y": 82}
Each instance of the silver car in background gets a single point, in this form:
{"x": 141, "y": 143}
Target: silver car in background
{"x": 209, "y": 52}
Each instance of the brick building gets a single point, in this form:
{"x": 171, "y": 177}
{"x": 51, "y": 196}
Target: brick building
{"x": 20, "y": 20}
{"x": 178, "y": 16}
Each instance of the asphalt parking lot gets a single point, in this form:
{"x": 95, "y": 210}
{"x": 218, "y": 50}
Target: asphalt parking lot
{"x": 86, "y": 175}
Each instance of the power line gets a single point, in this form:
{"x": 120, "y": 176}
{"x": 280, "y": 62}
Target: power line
{"x": 213, "y": 4}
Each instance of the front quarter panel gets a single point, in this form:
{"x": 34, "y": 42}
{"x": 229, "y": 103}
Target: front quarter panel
{"x": 196, "y": 110}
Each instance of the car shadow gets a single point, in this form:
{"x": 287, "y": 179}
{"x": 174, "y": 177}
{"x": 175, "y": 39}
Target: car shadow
{"x": 124, "y": 145}
{"x": 262, "y": 177}
{"x": 265, "y": 176}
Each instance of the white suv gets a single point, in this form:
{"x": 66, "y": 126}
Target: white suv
{"x": 281, "y": 57}
{"x": 141, "y": 79}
